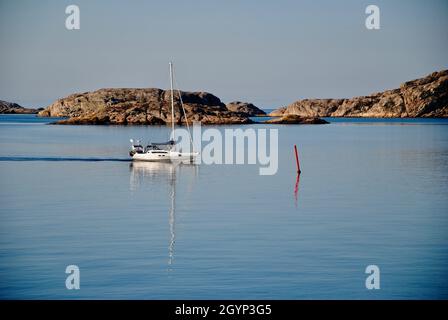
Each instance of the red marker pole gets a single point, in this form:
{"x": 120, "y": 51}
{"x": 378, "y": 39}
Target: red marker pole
{"x": 297, "y": 160}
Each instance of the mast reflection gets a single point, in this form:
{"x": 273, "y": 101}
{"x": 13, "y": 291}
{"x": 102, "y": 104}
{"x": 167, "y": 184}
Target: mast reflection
{"x": 160, "y": 173}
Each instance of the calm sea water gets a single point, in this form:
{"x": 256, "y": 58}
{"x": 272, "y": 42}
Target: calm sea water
{"x": 371, "y": 192}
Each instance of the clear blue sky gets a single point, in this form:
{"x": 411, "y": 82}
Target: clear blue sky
{"x": 270, "y": 53}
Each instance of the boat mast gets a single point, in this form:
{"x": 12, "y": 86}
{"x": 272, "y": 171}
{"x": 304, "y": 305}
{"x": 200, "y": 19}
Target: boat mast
{"x": 172, "y": 102}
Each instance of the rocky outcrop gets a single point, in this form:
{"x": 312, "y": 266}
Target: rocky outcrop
{"x": 244, "y": 108}
{"x": 141, "y": 106}
{"x": 14, "y": 108}
{"x": 277, "y": 112}
{"x": 295, "y": 119}
{"x": 425, "y": 97}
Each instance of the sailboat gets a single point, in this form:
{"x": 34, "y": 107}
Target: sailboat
{"x": 165, "y": 151}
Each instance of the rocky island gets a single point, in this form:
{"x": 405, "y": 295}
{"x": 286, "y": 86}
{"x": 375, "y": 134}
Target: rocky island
{"x": 14, "y": 108}
{"x": 295, "y": 119}
{"x": 147, "y": 106}
{"x": 425, "y": 97}
{"x": 247, "y": 109}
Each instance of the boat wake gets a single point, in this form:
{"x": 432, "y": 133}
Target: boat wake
{"x": 62, "y": 159}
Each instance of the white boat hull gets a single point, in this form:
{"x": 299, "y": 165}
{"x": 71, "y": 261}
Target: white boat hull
{"x": 164, "y": 156}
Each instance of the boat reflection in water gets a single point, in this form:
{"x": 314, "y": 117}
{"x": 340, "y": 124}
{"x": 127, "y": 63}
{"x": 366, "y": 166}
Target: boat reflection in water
{"x": 161, "y": 173}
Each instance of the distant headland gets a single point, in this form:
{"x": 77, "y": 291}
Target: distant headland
{"x": 14, "y": 108}
{"x": 422, "y": 98}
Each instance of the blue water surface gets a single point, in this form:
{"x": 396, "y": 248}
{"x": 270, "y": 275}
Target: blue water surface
{"x": 372, "y": 191}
